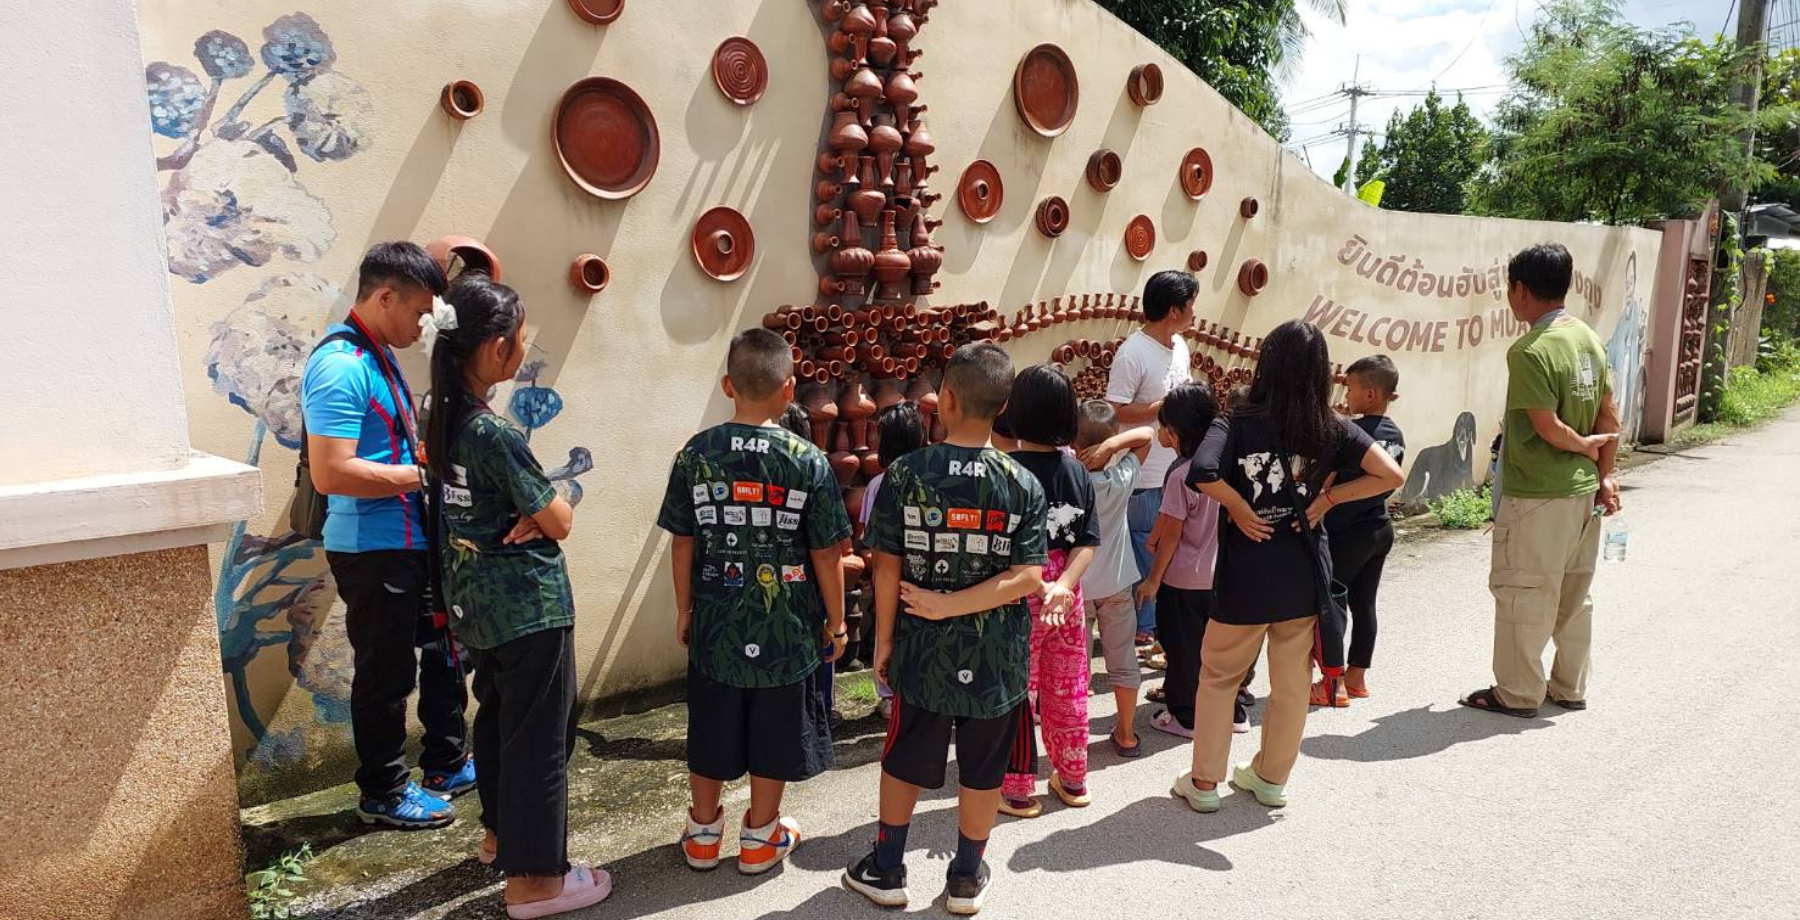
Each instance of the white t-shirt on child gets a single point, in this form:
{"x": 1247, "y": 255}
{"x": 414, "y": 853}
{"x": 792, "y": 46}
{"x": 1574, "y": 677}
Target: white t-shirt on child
{"x": 1143, "y": 371}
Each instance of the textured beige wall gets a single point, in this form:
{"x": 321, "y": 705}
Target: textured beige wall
{"x": 120, "y": 800}
{"x": 637, "y": 364}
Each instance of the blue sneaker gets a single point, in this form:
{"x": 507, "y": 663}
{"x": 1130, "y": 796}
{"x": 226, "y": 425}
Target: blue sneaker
{"x": 412, "y": 808}
{"x": 448, "y": 786}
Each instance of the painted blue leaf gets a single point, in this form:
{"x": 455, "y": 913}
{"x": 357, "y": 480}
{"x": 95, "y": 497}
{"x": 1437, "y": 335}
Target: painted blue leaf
{"x": 535, "y": 407}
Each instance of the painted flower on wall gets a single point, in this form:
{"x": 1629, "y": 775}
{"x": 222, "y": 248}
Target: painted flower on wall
{"x": 233, "y": 197}
{"x": 319, "y": 654}
{"x": 258, "y": 351}
{"x": 235, "y": 204}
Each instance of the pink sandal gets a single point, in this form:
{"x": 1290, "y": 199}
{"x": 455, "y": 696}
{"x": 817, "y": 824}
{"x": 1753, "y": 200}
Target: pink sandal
{"x": 584, "y": 886}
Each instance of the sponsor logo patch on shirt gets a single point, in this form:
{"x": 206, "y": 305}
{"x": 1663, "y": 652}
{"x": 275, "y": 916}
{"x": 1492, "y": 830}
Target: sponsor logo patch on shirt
{"x": 996, "y": 521}
{"x": 793, "y": 573}
{"x": 734, "y": 575}
{"x": 458, "y": 496}
{"x": 765, "y": 575}
{"x": 734, "y": 515}
{"x": 944, "y": 543}
{"x": 1012, "y": 523}
{"x": 933, "y": 517}
{"x": 910, "y": 514}
{"x": 777, "y": 495}
{"x": 915, "y": 565}
{"x": 706, "y": 515}
{"x": 1003, "y": 546}
{"x": 787, "y": 520}
{"x": 965, "y": 676}
{"x": 942, "y": 567}
{"x": 965, "y": 518}
{"x": 746, "y": 491}
{"x": 976, "y": 543}
{"x": 796, "y": 499}
{"x": 700, "y": 494}
{"x": 752, "y": 650}
{"x": 918, "y": 539}
{"x": 761, "y": 516}
{"x": 720, "y": 491}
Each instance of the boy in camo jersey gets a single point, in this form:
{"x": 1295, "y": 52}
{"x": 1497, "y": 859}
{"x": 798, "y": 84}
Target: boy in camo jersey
{"x": 959, "y": 540}
{"x": 758, "y": 533}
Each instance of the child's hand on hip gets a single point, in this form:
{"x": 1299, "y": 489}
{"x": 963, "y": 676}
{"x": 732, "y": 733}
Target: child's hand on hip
{"x": 924, "y": 603}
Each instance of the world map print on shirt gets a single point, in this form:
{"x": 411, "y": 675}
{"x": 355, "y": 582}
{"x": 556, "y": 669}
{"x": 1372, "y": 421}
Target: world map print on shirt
{"x": 957, "y": 516}
{"x": 1069, "y": 518}
{"x": 1372, "y": 510}
{"x": 757, "y": 501}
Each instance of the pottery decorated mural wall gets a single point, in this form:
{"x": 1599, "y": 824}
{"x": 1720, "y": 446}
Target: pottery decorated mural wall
{"x": 290, "y": 139}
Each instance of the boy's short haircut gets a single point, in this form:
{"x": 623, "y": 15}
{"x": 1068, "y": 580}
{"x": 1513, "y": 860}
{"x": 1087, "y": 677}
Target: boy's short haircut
{"x": 1095, "y": 421}
{"x": 899, "y": 430}
{"x": 981, "y": 373}
{"x": 1167, "y": 290}
{"x": 399, "y": 264}
{"x": 797, "y": 420}
{"x": 1376, "y": 371}
{"x": 759, "y": 363}
{"x": 1545, "y": 269}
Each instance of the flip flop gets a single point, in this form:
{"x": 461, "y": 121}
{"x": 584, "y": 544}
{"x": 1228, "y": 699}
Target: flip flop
{"x": 1071, "y": 799}
{"x": 1323, "y": 697}
{"x": 1357, "y": 693}
{"x": 1157, "y": 662}
{"x": 1031, "y": 810}
{"x": 1136, "y": 750}
{"x": 1156, "y": 695}
{"x": 1570, "y": 705}
{"x": 1487, "y": 701}
{"x": 584, "y": 886}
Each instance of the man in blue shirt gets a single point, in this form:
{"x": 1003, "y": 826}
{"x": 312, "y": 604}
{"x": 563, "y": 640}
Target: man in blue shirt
{"x": 360, "y": 432}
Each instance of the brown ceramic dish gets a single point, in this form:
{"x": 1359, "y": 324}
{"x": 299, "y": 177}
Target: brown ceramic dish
{"x": 724, "y": 244}
{"x": 1196, "y": 173}
{"x": 462, "y": 100}
{"x": 1104, "y": 169}
{"x": 1052, "y": 216}
{"x": 740, "y": 70}
{"x": 598, "y": 12}
{"x": 1045, "y": 90}
{"x": 1196, "y": 260}
{"x": 1146, "y": 84}
{"x": 1248, "y": 207}
{"x": 980, "y": 192}
{"x": 1140, "y": 237}
{"x": 589, "y": 273}
{"x": 606, "y": 138}
{"x": 1253, "y": 277}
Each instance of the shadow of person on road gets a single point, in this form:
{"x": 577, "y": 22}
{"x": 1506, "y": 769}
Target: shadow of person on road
{"x": 1419, "y": 732}
{"x": 1148, "y": 830}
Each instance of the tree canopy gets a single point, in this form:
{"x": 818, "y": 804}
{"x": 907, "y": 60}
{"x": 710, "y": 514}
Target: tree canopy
{"x": 1428, "y": 158}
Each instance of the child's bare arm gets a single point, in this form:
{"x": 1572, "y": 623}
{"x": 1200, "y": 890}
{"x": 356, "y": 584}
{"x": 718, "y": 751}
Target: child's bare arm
{"x": 1136, "y": 440}
{"x": 1004, "y": 588}
{"x": 1164, "y": 535}
{"x": 828, "y": 568}
{"x": 681, "y": 563}
{"x": 887, "y": 607}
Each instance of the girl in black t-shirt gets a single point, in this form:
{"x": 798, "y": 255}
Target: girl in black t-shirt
{"x": 1041, "y": 415}
{"x": 1270, "y": 460}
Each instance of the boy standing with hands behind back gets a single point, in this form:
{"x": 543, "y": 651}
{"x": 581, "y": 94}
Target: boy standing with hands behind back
{"x": 758, "y": 531}
{"x": 959, "y": 539}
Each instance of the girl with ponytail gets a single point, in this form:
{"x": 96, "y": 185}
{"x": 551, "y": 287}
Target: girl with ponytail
{"x": 509, "y": 599}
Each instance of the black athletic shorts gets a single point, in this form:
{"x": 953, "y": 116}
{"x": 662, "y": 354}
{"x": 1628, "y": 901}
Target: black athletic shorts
{"x": 781, "y": 733}
{"x": 918, "y": 743}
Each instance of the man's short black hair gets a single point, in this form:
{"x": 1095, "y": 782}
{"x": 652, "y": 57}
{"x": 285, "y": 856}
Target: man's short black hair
{"x": 759, "y": 363}
{"x": 1095, "y": 421}
{"x": 981, "y": 373}
{"x": 399, "y": 264}
{"x": 1545, "y": 269}
{"x": 1377, "y": 371}
{"x": 1167, "y": 290}
{"x": 1042, "y": 406}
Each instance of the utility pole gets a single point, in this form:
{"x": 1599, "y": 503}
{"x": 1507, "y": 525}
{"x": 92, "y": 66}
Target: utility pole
{"x": 1355, "y": 91}
{"x": 1752, "y": 29}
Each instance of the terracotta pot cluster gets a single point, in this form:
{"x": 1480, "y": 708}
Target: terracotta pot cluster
{"x": 842, "y": 425}
{"x": 883, "y": 341}
{"x": 1052, "y": 312}
{"x": 1223, "y": 357}
{"x": 876, "y": 165}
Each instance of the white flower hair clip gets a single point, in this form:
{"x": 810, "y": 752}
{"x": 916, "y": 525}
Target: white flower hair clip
{"x": 442, "y": 318}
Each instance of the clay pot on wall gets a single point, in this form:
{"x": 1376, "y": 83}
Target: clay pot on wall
{"x": 1253, "y": 277}
{"x": 589, "y": 273}
{"x": 1145, "y": 87}
{"x": 1248, "y": 207}
{"x": 1052, "y": 216}
{"x": 1196, "y": 260}
{"x": 458, "y": 254}
{"x": 892, "y": 264}
{"x": 1104, "y": 169}
{"x": 462, "y": 100}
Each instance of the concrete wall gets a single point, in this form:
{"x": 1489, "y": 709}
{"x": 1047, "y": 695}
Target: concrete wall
{"x": 369, "y": 156}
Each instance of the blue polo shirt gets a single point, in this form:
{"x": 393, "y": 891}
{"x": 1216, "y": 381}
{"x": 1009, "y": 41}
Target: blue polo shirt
{"x": 344, "y": 395}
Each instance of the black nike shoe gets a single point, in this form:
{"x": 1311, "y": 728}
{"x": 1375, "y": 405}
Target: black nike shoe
{"x": 962, "y": 893}
{"x": 886, "y": 888}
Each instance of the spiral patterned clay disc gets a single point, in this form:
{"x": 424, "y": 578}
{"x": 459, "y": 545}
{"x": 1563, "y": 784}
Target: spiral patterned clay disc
{"x": 1140, "y": 237}
{"x": 740, "y": 70}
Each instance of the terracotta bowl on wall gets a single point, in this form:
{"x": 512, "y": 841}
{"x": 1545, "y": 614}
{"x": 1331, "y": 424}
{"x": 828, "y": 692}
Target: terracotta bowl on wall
{"x": 589, "y": 273}
{"x": 462, "y": 100}
{"x": 1253, "y": 277}
{"x": 1196, "y": 174}
{"x": 980, "y": 193}
{"x": 1046, "y": 90}
{"x": 598, "y": 12}
{"x": 1145, "y": 87}
{"x": 458, "y": 254}
{"x": 1052, "y": 216}
{"x": 606, "y": 138}
{"x": 1104, "y": 170}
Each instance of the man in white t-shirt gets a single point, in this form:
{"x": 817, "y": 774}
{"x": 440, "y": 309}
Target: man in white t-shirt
{"x": 1151, "y": 362}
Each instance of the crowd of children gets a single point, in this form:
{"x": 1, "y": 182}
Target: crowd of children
{"x": 987, "y": 572}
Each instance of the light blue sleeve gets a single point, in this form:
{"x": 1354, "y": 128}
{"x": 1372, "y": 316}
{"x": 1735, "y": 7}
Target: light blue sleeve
{"x": 335, "y": 395}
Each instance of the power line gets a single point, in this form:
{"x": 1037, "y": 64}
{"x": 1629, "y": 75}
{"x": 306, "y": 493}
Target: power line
{"x": 1479, "y": 26}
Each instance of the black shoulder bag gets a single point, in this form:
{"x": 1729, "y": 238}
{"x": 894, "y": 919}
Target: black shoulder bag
{"x": 1334, "y": 619}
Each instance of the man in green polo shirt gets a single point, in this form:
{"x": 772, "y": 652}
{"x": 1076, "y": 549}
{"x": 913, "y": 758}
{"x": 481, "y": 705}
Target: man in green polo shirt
{"x": 1556, "y": 480}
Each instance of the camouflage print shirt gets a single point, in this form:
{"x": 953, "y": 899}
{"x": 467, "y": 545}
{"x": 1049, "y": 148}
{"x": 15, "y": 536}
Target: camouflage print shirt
{"x": 757, "y": 502}
{"x": 498, "y": 592}
{"x": 957, "y": 516}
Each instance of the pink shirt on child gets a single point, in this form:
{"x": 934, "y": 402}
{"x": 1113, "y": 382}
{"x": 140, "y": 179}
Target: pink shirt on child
{"x": 1192, "y": 567}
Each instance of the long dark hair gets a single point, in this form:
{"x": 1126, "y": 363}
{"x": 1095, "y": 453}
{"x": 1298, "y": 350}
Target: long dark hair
{"x": 1041, "y": 408}
{"x": 1292, "y": 391}
{"x": 1188, "y": 410}
{"x": 485, "y": 310}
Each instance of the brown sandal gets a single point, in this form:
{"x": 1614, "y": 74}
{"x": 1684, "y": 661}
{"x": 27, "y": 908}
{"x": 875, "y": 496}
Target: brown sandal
{"x": 1489, "y": 701}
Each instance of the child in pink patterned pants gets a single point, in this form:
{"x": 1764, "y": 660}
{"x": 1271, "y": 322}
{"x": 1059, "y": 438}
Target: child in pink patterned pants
{"x": 1042, "y": 417}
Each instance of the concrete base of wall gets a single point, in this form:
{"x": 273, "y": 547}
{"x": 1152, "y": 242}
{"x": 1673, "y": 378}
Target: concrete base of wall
{"x": 120, "y": 800}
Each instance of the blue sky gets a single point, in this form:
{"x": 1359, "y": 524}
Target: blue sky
{"x": 1408, "y": 45}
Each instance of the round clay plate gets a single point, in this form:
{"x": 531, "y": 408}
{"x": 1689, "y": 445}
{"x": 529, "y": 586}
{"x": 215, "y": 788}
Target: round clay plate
{"x": 724, "y": 244}
{"x": 1196, "y": 173}
{"x": 1045, "y": 90}
{"x": 980, "y": 191}
{"x": 598, "y": 12}
{"x": 740, "y": 70}
{"x": 606, "y": 138}
{"x": 1140, "y": 237}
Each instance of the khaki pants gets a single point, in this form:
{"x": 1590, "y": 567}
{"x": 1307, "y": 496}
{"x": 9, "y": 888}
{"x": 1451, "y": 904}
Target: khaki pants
{"x": 1544, "y": 554}
{"x": 1225, "y": 657}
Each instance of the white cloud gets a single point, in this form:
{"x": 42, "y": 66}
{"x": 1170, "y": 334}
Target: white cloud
{"x": 1409, "y": 45}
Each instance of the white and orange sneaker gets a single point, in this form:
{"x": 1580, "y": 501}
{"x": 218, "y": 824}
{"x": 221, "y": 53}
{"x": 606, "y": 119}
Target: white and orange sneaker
{"x": 763, "y": 848}
{"x": 700, "y": 843}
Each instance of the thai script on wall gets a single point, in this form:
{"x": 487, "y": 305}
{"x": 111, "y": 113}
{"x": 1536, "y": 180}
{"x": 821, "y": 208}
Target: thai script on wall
{"x": 1417, "y": 278}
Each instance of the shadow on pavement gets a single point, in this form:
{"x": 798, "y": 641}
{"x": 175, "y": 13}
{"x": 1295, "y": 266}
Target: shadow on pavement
{"x": 1419, "y": 732}
{"x": 1149, "y": 830}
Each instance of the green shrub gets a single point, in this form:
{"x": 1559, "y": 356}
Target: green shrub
{"x": 1464, "y": 509}
{"x": 271, "y": 890}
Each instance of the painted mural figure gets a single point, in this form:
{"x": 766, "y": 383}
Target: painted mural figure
{"x": 1625, "y": 355}
{"x": 361, "y": 434}
{"x": 1443, "y": 468}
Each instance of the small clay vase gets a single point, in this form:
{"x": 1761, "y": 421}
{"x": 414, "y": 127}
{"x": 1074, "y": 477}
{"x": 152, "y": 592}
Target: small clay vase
{"x": 919, "y": 145}
{"x": 847, "y": 136}
{"x": 882, "y": 47}
{"x": 844, "y": 465}
{"x": 871, "y": 464}
{"x": 825, "y": 215}
{"x": 902, "y": 28}
{"x": 854, "y": 403}
{"x": 867, "y": 201}
{"x": 884, "y": 142}
{"x": 901, "y": 90}
{"x": 892, "y": 264}
{"x": 920, "y": 392}
{"x": 887, "y": 393}
{"x": 853, "y": 262}
{"x": 926, "y": 258}
{"x": 865, "y": 88}
{"x": 859, "y": 24}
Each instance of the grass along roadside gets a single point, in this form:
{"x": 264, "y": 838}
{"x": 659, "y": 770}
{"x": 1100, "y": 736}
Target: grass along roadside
{"x": 1754, "y": 395}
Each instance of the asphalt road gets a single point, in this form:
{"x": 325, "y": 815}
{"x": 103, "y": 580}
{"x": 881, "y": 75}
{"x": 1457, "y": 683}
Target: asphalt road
{"x": 1675, "y": 795}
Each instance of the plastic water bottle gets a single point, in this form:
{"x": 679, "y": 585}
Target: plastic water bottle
{"x": 1617, "y": 533}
